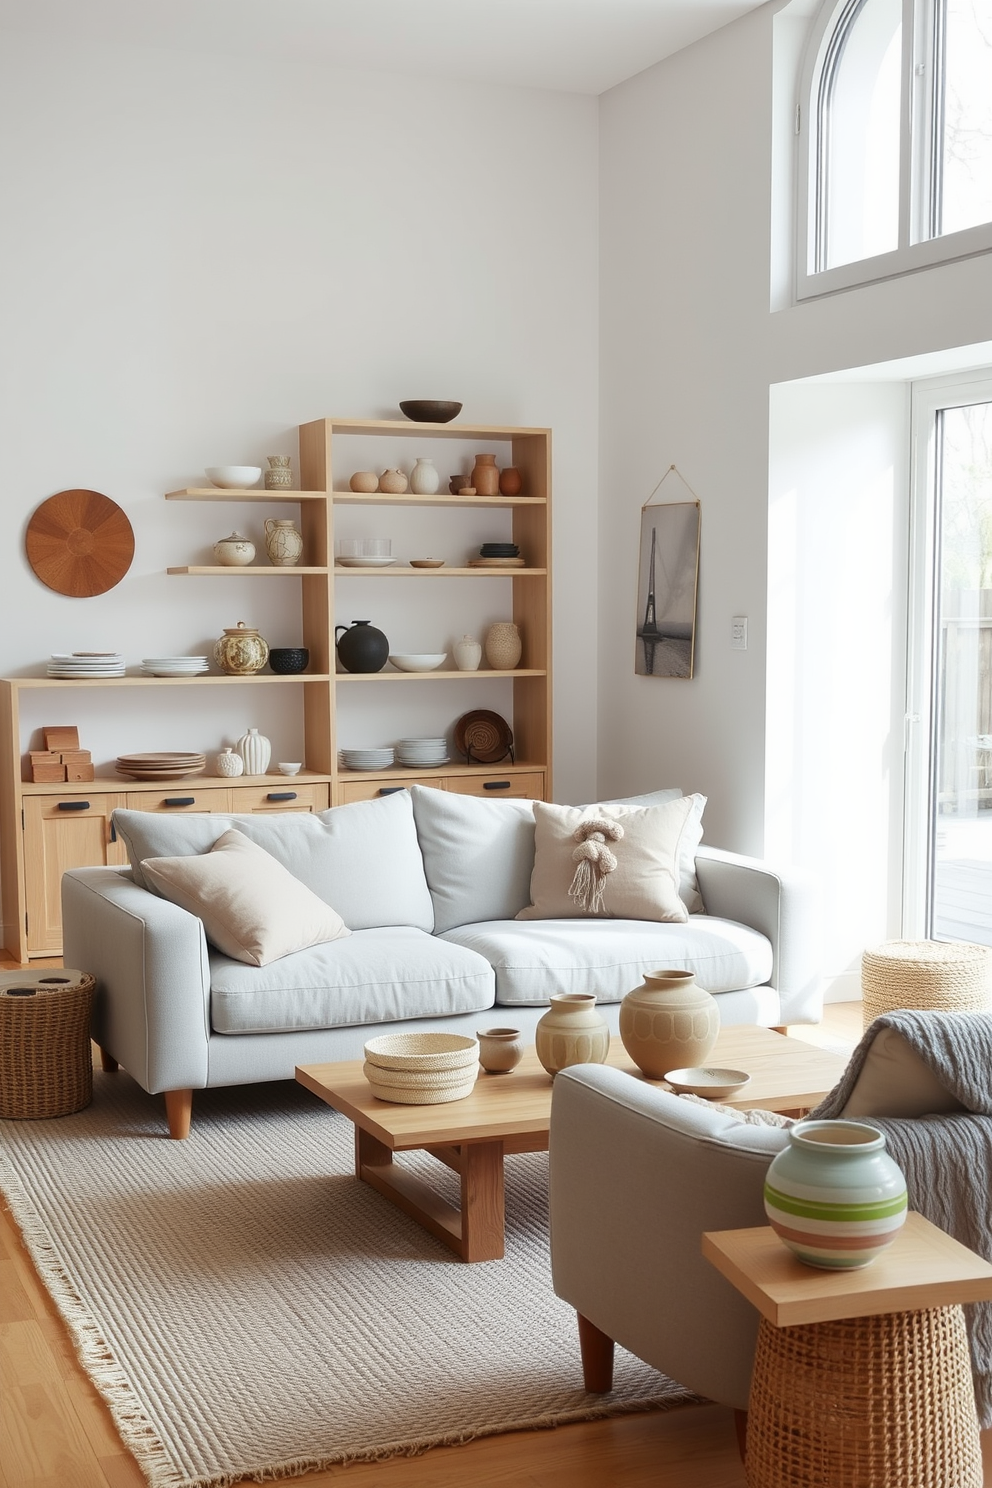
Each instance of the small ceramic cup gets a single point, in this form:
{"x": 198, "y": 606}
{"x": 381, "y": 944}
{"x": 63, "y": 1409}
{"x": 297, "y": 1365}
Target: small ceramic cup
{"x": 500, "y": 1049}
{"x": 285, "y": 769}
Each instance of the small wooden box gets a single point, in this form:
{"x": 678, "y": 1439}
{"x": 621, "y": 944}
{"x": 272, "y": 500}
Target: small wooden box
{"x": 65, "y": 737}
{"x": 80, "y": 771}
{"x": 47, "y": 772}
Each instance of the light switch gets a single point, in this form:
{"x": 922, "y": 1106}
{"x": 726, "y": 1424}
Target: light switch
{"x": 738, "y": 633}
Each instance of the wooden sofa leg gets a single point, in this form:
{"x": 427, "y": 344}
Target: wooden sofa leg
{"x": 179, "y": 1110}
{"x": 740, "y": 1426}
{"x": 597, "y": 1357}
{"x": 108, "y": 1062}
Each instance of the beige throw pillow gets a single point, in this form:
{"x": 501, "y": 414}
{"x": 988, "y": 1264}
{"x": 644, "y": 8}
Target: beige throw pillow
{"x": 252, "y": 908}
{"x": 569, "y": 880}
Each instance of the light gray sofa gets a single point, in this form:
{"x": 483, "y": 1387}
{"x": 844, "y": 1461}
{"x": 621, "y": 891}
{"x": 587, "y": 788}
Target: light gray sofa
{"x": 429, "y": 883}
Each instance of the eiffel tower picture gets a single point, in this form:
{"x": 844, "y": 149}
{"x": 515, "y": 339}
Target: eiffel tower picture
{"x": 648, "y": 633}
{"x": 666, "y": 592}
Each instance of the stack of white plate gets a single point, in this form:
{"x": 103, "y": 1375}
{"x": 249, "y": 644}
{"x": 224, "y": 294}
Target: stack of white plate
{"x": 173, "y": 666}
{"x": 81, "y": 664}
{"x": 366, "y": 759}
{"x": 161, "y": 765}
{"x": 425, "y": 754}
{"x": 421, "y": 1069}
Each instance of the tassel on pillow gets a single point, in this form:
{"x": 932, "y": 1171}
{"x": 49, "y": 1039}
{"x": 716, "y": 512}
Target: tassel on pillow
{"x": 594, "y": 860}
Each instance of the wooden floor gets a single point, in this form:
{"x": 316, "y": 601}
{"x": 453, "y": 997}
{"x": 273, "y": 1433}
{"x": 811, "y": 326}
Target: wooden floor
{"x": 55, "y": 1431}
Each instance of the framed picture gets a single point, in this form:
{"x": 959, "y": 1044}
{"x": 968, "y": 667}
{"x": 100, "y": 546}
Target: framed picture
{"x": 667, "y": 577}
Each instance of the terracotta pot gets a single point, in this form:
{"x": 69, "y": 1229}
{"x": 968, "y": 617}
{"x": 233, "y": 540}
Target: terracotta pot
{"x": 500, "y": 1049}
{"x": 503, "y": 646}
{"x": 571, "y": 1032}
{"x": 510, "y": 483}
{"x": 485, "y": 476}
{"x": 241, "y": 651}
{"x": 668, "y": 1023}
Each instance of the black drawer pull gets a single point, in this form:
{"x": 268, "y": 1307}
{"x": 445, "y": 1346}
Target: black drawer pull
{"x": 74, "y": 805}
{"x": 495, "y": 785}
{"x": 390, "y": 790}
{"x": 281, "y": 796}
{"x": 179, "y": 801}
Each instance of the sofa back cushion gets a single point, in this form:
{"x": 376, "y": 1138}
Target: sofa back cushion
{"x": 364, "y": 858}
{"x": 478, "y": 855}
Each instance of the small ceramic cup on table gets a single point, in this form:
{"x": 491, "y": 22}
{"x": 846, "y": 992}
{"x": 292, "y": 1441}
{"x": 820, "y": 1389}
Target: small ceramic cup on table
{"x": 500, "y": 1049}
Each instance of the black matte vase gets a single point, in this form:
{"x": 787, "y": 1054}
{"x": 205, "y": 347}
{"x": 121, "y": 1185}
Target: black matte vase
{"x": 361, "y": 648}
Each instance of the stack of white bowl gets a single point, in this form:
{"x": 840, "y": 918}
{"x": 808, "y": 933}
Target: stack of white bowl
{"x": 174, "y": 666}
{"x": 366, "y": 759}
{"x": 422, "y": 1069}
{"x": 424, "y": 754}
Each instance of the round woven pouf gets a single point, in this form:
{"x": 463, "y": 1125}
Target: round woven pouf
{"x": 880, "y": 1402}
{"x": 46, "y": 1063}
{"x": 935, "y": 975}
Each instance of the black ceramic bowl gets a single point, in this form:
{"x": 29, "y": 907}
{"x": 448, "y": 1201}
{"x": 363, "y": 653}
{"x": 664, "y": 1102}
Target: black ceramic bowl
{"x": 429, "y": 411}
{"x": 285, "y": 659}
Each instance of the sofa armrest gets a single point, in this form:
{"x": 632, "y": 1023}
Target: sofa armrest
{"x": 151, "y": 1008}
{"x": 637, "y": 1175}
{"x": 783, "y": 903}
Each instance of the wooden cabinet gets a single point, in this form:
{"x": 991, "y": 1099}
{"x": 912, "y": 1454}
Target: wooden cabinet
{"x": 61, "y": 832}
{"x": 287, "y": 796}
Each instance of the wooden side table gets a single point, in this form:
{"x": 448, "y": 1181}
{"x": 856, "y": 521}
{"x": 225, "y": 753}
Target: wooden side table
{"x": 46, "y": 1062}
{"x": 860, "y": 1377}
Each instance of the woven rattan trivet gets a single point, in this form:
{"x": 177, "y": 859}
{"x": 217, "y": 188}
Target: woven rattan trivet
{"x": 46, "y": 1064}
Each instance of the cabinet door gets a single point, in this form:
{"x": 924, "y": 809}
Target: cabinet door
{"x": 527, "y": 787}
{"x": 288, "y": 797}
{"x": 180, "y": 799}
{"x": 62, "y": 832}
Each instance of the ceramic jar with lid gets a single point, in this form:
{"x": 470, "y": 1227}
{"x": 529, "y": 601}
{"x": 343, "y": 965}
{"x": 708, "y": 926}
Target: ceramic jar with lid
{"x": 571, "y": 1032}
{"x": 467, "y": 653}
{"x": 485, "y": 476}
{"x": 424, "y": 479}
{"x": 283, "y": 543}
{"x": 229, "y": 763}
{"x": 668, "y": 1023}
{"x": 241, "y": 651}
{"x": 236, "y": 551}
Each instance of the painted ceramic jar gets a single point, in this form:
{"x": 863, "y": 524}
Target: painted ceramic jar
{"x": 279, "y": 476}
{"x": 500, "y": 1049}
{"x": 510, "y": 483}
{"x": 834, "y": 1196}
{"x": 229, "y": 763}
{"x": 503, "y": 646}
{"x": 668, "y": 1023}
{"x": 236, "y": 551}
{"x": 485, "y": 476}
{"x": 571, "y": 1032}
{"x": 256, "y": 751}
{"x": 467, "y": 653}
{"x": 241, "y": 651}
{"x": 393, "y": 482}
{"x": 283, "y": 543}
{"x": 424, "y": 479}
{"x": 361, "y": 647}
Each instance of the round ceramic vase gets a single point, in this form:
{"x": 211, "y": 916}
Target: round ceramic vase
{"x": 236, "y": 551}
{"x": 283, "y": 543}
{"x": 510, "y": 482}
{"x": 503, "y": 646}
{"x": 834, "y": 1196}
{"x": 424, "y": 479}
{"x": 571, "y": 1032}
{"x": 256, "y": 751}
{"x": 668, "y": 1023}
{"x": 229, "y": 763}
{"x": 241, "y": 651}
{"x": 392, "y": 482}
{"x": 500, "y": 1049}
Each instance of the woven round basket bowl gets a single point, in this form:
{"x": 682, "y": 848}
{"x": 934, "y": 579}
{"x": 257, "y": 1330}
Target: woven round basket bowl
{"x": 421, "y": 1069}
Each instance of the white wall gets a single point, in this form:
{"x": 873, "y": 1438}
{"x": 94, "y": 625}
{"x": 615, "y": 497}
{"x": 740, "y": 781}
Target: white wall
{"x": 691, "y": 350}
{"x": 203, "y": 252}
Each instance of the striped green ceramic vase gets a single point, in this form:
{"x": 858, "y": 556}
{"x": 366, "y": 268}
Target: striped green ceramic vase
{"x": 834, "y": 1196}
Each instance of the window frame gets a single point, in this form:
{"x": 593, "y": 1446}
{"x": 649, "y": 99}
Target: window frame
{"x": 920, "y": 162}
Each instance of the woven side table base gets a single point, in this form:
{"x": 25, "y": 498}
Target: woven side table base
{"x": 46, "y": 1063}
{"x": 871, "y": 1402}
{"x": 944, "y": 976}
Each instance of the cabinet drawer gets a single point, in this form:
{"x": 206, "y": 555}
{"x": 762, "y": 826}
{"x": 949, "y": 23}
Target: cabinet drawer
{"x": 529, "y": 787}
{"x": 62, "y": 832}
{"x": 369, "y": 790}
{"x": 282, "y": 797}
{"x": 180, "y": 798}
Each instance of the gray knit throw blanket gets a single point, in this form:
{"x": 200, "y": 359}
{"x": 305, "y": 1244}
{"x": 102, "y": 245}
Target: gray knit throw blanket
{"x": 947, "y": 1159}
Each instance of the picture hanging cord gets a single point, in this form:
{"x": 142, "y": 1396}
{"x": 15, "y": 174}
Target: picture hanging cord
{"x": 662, "y": 482}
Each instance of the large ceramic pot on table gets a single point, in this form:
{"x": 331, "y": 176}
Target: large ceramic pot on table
{"x": 571, "y": 1032}
{"x": 668, "y": 1023}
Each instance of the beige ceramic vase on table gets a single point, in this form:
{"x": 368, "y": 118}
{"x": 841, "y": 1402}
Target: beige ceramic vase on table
{"x": 668, "y": 1023}
{"x": 571, "y": 1032}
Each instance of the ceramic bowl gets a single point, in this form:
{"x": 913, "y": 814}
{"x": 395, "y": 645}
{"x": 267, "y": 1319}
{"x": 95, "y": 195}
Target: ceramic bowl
{"x": 234, "y": 477}
{"x": 713, "y": 1084}
{"x": 430, "y": 411}
{"x": 423, "y": 662}
{"x": 285, "y": 769}
{"x": 288, "y": 659}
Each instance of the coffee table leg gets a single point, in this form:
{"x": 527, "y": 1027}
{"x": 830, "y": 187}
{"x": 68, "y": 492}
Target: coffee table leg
{"x": 475, "y": 1232}
{"x": 368, "y": 1149}
{"x": 482, "y": 1201}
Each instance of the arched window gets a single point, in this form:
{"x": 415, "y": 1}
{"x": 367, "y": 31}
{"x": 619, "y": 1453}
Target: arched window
{"x": 895, "y": 116}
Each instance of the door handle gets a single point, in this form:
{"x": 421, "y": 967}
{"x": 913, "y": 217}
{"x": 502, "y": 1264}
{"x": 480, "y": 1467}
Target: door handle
{"x": 179, "y": 801}
{"x": 495, "y": 785}
{"x": 74, "y": 805}
{"x": 390, "y": 790}
{"x": 281, "y": 796}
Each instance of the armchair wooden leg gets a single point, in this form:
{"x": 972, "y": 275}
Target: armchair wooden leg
{"x": 740, "y": 1426}
{"x": 108, "y": 1062}
{"x": 179, "y": 1110}
{"x": 597, "y": 1357}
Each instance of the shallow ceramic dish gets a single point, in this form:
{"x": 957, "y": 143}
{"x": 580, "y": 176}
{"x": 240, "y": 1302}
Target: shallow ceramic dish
{"x": 427, "y": 661}
{"x": 712, "y": 1084}
{"x": 426, "y": 562}
{"x": 234, "y": 477}
{"x": 365, "y": 562}
{"x": 430, "y": 410}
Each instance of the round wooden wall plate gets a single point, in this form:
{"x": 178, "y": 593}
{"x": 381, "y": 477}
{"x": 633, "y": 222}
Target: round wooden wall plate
{"x": 80, "y": 543}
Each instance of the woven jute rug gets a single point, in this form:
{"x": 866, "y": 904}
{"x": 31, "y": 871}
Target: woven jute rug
{"x": 247, "y": 1308}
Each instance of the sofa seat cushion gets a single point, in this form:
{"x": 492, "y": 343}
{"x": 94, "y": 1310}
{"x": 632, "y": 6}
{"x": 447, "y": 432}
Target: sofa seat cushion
{"x": 609, "y": 957}
{"x": 374, "y": 976}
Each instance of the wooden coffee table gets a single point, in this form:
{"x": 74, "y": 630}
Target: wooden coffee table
{"x": 512, "y": 1113}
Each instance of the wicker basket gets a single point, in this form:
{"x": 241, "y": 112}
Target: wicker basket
{"x": 877, "y": 1402}
{"x": 945, "y": 976}
{"x": 422, "y": 1051}
{"x": 46, "y": 1063}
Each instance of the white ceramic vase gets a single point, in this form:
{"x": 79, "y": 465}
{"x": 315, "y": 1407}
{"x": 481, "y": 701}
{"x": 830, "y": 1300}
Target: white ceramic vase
{"x": 229, "y": 763}
{"x": 424, "y": 479}
{"x": 256, "y": 751}
{"x": 283, "y": 543}
{"x": 467, "y": 653}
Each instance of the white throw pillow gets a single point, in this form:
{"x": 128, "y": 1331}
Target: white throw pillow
{"x": 691, "y": 838}
{"x": 648, "y": 850}
{"x": 252, "y": 908}
{"x": 478, "y": 855}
